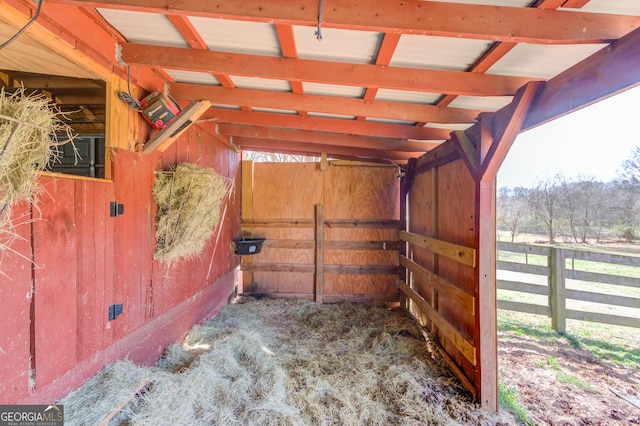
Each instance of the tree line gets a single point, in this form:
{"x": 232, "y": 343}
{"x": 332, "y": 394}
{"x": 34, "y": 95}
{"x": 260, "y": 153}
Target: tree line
{"x": 577, "y": 210}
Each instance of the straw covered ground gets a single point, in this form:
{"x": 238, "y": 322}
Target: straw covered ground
{"x": 287, "y": 362}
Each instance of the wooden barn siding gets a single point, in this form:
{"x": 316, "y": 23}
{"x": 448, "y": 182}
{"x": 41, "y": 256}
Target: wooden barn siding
{"x": 15, "y": 287}
{"x": 441, "y": 205}
{"x": 290, "y": 191}
{"x": 86, "y": 261}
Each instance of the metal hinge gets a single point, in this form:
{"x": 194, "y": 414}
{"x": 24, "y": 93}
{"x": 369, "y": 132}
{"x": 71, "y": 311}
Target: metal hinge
{"x": 114, "y": 311}
{"x": 115, "y": 209}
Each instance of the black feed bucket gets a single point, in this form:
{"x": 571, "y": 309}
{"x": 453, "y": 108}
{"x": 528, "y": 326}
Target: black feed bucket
{"x": 249, "y": 245}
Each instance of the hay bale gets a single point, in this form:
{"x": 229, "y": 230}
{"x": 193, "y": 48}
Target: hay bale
{"x": 292, "y": 362}
{"x": 30, "y": 125}
{"x": 189, "y": 199}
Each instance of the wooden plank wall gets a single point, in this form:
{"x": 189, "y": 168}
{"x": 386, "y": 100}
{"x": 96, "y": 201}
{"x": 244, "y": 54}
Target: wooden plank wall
{"x": 15, "y": 291}
{"x": 85, "y": 260}
{"x": 358, "y": 231}
{"x": 441, "y": 260}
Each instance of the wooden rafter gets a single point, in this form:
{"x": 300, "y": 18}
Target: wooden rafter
{"x": 385, "y": 53}
{"x": 486, "y": 22}
{"x": 324, "y": 138}
{"x": 272, "y": 145}
{"x": 187, "y": 31}
{"x": 605, "y": 73}
{"x": 191, "y": 36}
{"x": 323, "y": 104}
{"x": 288, "y": 47}
{"x": 360, "y": 75}
{"x": 336, "y": 125}
{"x": 575, "y": 3}
{"x": 498, "y": 50}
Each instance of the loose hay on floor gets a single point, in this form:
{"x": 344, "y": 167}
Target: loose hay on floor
{"x": 290, "y": 362}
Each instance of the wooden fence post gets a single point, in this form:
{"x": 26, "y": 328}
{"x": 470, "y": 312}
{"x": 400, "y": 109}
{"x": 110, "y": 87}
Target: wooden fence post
{"x": 558, "y": 295}
{"x": 319, "y": 284}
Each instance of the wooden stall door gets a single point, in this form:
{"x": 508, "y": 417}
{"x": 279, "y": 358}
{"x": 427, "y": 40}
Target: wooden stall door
{"x": 331, "y": 235}
{"x": 73, "y": 283}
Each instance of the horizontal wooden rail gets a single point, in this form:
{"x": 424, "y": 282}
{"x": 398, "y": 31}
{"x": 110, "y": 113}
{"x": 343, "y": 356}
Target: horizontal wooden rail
{"x": 603, "y": 318}
{"x": 461, "y": 254}
{"x": 328, "y": 269}
{"x": 447, "y": 330}
{"x": 362, "y": 223}
{"x": 523, "y": 287}
{"x": 602, "y": 278}
{"x": 332, "y": 244}
{"x": 524, "y": 248}
{"x": 522, "y": 267}
{"x": 277, "y": 267}
{"x": 361, "y": 245}
{"x": 446, "y": 289}
{"x": 289, "y": 244}
{"x": 607, "y": 299}
{"x": 361, "y": 269}
{"x": 310, "y": 223}
{"x": 618, "y": 259}
{"x": 528, "y": 308}
{"x": 277, "y": 223}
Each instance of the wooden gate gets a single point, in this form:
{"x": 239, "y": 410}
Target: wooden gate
{"x": 331, "y": 230}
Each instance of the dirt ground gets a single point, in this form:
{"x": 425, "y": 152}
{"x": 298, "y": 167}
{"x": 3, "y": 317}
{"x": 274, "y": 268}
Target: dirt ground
{"x": 560, "y": 384}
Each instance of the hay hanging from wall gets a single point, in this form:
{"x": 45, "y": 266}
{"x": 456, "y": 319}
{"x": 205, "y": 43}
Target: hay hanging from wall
{"x": 189, "y": 200}
{"x": 30, "y": 125}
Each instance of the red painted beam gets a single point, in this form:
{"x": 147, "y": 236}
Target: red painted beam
{"x": 188, "y": 31}
{"x": 385, "y": 53}
{"x": 323, "y": 104}
{"x": 577, "y": 4}
{"x": 360, "y": 75}
{"x": 324, "y": 138}
{"x": 609, "y": 71}
{"x": 486, "y": 22}
{"x": 365, "y": 128}
{"x": 253, "y": 144}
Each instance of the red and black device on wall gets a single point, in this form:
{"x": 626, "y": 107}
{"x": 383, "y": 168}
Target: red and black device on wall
{"x": 159, "y": 109}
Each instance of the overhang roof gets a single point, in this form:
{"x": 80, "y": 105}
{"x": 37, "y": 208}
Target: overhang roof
{"x": 388, "y": 79}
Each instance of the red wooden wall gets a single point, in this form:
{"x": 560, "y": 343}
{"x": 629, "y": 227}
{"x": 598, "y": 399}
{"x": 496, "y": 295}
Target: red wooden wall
{"x": 84, "y": 260}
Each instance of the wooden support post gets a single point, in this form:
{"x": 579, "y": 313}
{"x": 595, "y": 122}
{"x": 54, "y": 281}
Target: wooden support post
{"x": 486, "y": 310}
{"x": 323, "y": 162}
{"x": 403, "y": 251}
{"x": 435, "y": 301}
{"x": 319, "y": 253}
{"x": 246, "y": 190}
{"x": 558, "y": 297}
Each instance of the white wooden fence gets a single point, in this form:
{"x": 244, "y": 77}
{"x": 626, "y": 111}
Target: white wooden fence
{"x": 561, "y": 266}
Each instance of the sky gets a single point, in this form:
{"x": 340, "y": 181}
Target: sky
{"x": 593, "y": 141}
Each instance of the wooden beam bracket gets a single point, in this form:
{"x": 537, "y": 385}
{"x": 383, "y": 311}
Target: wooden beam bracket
{"x": 467, "y": 151}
